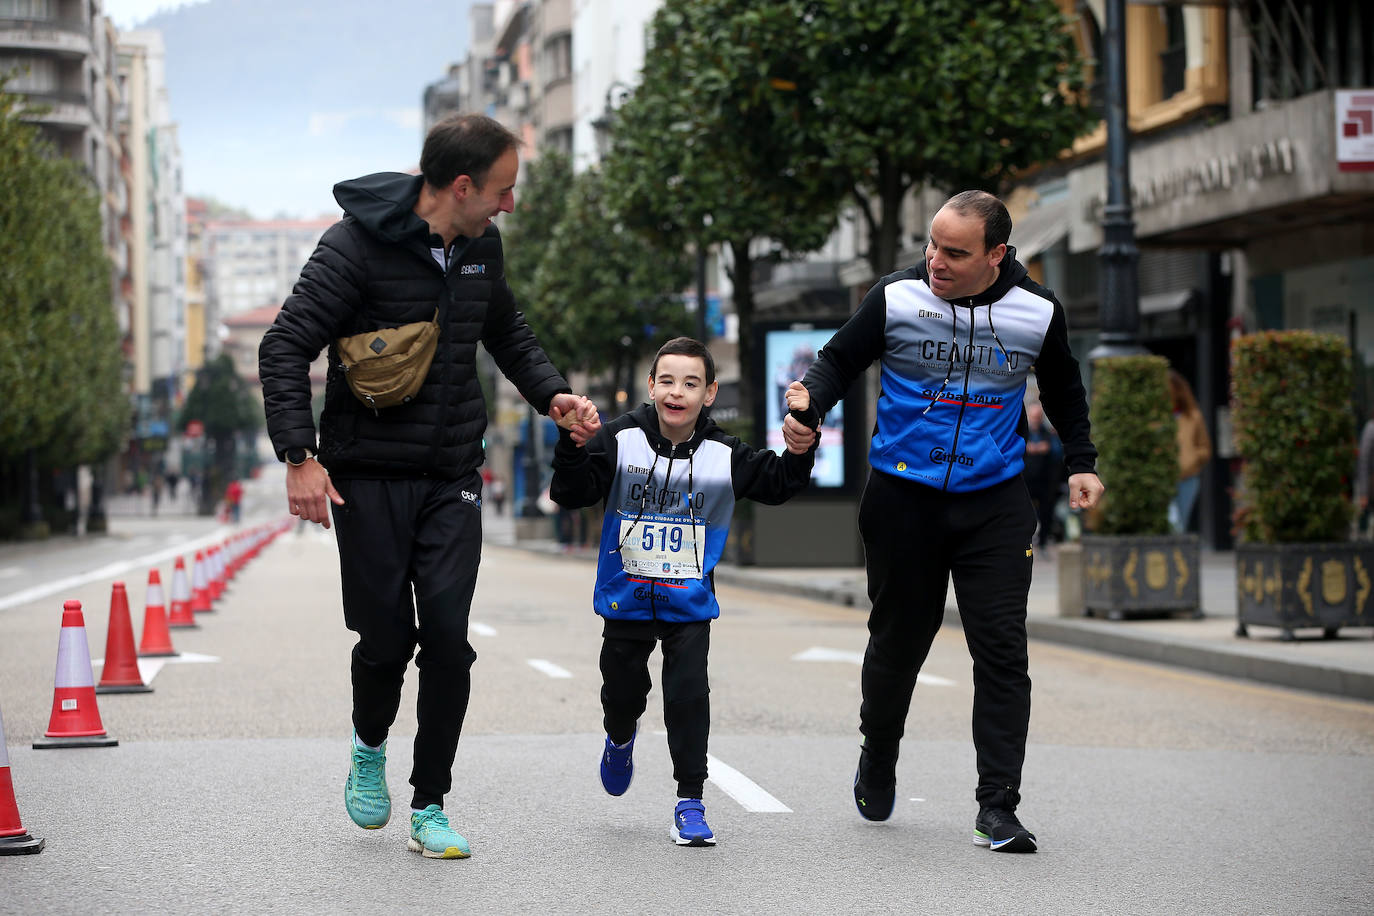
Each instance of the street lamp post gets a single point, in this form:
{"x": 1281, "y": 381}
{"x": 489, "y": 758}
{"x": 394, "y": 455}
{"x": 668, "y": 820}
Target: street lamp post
{"x": 1119, "y": 310}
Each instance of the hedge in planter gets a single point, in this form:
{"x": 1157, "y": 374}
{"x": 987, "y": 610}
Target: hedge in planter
{"x": 1295, "y": 428}
{"x": 1133, "y": 562}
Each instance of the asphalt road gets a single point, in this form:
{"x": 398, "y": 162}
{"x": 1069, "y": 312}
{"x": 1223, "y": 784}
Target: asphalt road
{"x": 1152, "y": 790}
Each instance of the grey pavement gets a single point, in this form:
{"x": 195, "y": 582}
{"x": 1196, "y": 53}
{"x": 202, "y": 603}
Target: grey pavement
{"x": 1343, "y": 666}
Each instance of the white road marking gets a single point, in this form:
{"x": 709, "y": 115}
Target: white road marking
{"x": 481, "y": 629}
{"x": 547, "y": 667}
{"x": 818, "y": 654}
{"x": 750, "y": 795}
{"x": 109, "y": 571}
{"x": 149, "y": 667}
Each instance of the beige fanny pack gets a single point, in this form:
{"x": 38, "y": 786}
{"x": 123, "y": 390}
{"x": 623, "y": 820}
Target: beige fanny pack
{"x": 386, "y": 367}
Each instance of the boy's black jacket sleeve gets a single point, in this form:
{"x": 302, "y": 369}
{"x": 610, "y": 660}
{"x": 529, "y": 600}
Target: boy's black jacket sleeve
{"x": 767, "y": 477}
{"x": 582, "y": 476}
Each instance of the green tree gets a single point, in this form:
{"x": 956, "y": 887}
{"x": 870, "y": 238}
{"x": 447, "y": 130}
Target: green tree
{"x": 223, "y": 403}
{"x": 703, "y": 155}
{"x": 953, "y": 94}
{"x": 540, "y": 204}
{"x": 60, "y": 357}
{"x": 606, "y": 289}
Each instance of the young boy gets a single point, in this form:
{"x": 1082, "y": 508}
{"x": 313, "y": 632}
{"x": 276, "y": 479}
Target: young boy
{"x": 670, "y": 478}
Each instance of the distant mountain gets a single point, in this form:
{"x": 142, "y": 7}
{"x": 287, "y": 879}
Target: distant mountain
{"x": 278, "y": 99}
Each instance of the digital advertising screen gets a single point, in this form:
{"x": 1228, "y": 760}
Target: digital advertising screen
{"x": 787, "y": 354}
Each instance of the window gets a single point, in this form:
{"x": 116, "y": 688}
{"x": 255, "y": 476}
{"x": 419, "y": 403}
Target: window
{"x": 558, "y": 58}
{"x": 26, "y": 9}
{"x": 30, "y": 74}
{"x": 1173, "y": 60}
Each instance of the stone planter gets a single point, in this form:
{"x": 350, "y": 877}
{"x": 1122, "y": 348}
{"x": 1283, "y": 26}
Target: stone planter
{"x": 1294, "y": 586}
{"x": 1129, "y": 575}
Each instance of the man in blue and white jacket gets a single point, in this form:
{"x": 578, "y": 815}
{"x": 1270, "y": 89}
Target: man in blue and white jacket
{"x": 670, "y": 478}
{"x": 957, "y": 336}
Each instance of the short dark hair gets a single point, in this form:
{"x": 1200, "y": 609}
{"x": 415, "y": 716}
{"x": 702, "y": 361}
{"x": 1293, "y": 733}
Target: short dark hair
{"x": 464, "y": 144}
{"x": 993, "y": 213}
{"x": 685, "y": 346}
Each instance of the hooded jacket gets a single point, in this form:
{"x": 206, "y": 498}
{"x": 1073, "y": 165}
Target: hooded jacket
{"x": 953, "y": 377}
{"x": 668, "y": 509}
{"x": 375, "y": 269}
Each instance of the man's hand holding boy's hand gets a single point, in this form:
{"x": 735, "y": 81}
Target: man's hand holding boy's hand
{"x": 577, "y": 415}
{"x": 799, "y": 426}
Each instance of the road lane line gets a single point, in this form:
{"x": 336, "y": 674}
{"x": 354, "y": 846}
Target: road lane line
{"x": 818, "y": 654}
{"x": 547, "y": 667}
{"x": 750, "y": 795}
{"x": 149, "y": 667}
{"x": 481, "y": 629}
{"x": 109, "y": 571}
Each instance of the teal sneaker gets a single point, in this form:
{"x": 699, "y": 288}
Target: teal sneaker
{"x": 431, "y": 835}
{"x": 365, "y": 793}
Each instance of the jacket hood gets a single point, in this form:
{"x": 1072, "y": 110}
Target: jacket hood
{"x": 384, "y": 203}
{"x": 1011, "y": 273}
{"x": 645, "y": 416}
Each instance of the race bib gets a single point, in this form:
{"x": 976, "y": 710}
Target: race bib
{"x": 659, "y": 550}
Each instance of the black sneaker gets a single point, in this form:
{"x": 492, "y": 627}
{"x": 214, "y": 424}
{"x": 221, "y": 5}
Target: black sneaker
{"x": 875, "y": 783}
{"x": 1000, "y": 831}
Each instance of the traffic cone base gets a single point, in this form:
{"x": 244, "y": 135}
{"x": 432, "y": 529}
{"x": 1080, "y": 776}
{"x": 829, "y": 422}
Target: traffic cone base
{"x": 45, "y": 743}
{"x": 123, "y": 688}
{"x": 20, "y": 845}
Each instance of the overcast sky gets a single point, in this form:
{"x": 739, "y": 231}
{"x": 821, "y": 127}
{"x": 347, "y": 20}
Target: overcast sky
{"x": 276, "y": 100}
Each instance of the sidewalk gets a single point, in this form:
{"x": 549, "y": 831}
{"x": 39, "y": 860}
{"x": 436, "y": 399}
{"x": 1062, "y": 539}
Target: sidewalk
{"x": 1343, "y": 666}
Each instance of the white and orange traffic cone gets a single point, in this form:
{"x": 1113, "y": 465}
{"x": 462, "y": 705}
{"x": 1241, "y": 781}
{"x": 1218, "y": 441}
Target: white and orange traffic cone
{"x": 120, "y": 672}
{"x": 157, "y": 638}
{"x": 75, "y": 718}
{"x": 180, "y": 614}
{"x": 14, "y": 839}
{"x": 200, "y": 588}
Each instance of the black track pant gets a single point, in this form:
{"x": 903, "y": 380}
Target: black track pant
{"x": 625, "y": 684}
{"x": 408, "y": 557}
{"x": 915, "y": 537}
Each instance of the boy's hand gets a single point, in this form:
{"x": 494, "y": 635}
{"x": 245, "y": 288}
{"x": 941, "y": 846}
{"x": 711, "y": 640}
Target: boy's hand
{"x": 798, "y": 398}
{"x": 576, "y": 414}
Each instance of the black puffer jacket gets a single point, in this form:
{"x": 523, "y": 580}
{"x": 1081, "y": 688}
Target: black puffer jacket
{"x": 373, "y": 269}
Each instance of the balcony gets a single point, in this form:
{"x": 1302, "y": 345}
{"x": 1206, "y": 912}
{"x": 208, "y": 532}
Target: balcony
{"x": 63, "y": 37}
{"x": 64, "y": 110}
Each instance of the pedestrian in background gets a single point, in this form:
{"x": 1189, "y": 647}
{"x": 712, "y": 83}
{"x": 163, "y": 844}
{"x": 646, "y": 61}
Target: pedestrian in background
{"x": 957, "y": 336}
{"x": 1364, "y": 476}
{"x": 1044, "y": 470}
{"x": 1194, "y": 450}
{"x": 670, "y": 478}
{"x": 403, "y": 481}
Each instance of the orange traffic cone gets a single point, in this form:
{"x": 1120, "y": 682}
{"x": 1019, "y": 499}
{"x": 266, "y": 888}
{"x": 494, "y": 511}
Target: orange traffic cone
{"x": 120, "y": 673}
{"x": 14, "y": 839}
{"x": 180, "y": 614}
{"x": 157, "y": 639}
{"x": 200, "y": 591}
{"x": 214, "y": 571}
{"x": 75, "y": 718}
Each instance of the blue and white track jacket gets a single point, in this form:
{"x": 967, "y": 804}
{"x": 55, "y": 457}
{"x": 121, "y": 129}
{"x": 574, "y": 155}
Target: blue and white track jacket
{"x": 950, "y": 411}
{"x": 668, "y": 509}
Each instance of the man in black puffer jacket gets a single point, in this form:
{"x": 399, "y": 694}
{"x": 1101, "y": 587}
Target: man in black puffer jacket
{"x": 403, "y": 481}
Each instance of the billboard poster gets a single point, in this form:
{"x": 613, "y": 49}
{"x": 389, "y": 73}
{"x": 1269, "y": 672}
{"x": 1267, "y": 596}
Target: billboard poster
{"x": 788, "y": 353}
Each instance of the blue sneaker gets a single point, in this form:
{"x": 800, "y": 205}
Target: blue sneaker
{"x": 365, "y": 793}
{"x": 431, "y": 836}
{"x": 618, "y": 765}
{"x": 689, "y": 824}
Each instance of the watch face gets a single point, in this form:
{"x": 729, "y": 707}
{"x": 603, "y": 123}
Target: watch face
{"x": 296, "y": 455}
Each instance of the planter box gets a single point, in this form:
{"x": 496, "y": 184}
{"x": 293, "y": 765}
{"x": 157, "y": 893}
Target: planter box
{"x": 1129, "y": 575}
{"x": 1292, "y": 586}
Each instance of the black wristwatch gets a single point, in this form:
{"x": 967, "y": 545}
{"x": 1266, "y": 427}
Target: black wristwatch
{"x": 298, "y": 456}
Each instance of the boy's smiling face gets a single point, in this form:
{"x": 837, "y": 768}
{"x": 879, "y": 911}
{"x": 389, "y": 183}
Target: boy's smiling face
{"x": 679, "y": 391}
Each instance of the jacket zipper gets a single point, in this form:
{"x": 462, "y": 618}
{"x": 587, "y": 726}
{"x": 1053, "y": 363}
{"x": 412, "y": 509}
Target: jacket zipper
{"x": 667, "y": 479}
